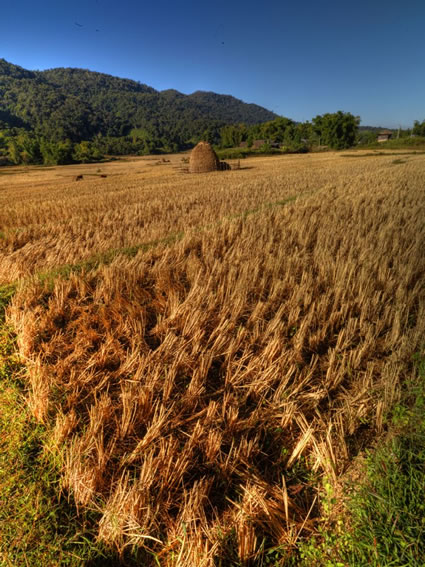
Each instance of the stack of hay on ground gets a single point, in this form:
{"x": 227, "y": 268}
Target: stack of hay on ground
{"x": 203, "y": 159}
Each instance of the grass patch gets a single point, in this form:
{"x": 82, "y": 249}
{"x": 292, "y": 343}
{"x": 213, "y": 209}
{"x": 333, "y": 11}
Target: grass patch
{"x": 370, "y": 154}
{"x": 106, "y": 258}
{"x": 38, "y": 527}
{"x": 241, "y": 153}
{"x": 381, "y": 154}
{"x": 386, "y": 513}
{"x": 399, "y": 143}
{"x": 234, "y": 153}
{"x": 2, "y": 172}
{"x": 6, "y": 294}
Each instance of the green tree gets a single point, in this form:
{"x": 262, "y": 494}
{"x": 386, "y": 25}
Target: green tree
{"x": 231, "y": 136}
{"x": 3, "y": 143}
{"x": 303, "y": 133}
{"x": 63, "y": 152}
{"x": 366, "y": 137}
{"x": 85, "y": 152}
{"x": 56, "y": 153}
{"x": 29, "y": 145}
{"x": 419, "y": 128}
{"x": 13, "y": 152}
{"x": 211, "y": 135}
{"x": 338, "y": 130}
{"x": 144, "y": 143}
{"x": 280, "y": 130}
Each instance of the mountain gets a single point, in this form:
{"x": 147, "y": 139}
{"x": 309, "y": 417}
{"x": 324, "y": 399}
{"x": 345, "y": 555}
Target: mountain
{"x": 375, "y": 129}
{"x": 78, "y": 104}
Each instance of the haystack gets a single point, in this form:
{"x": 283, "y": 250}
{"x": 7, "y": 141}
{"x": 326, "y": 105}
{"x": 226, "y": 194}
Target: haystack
{"x": 203, "y": 159}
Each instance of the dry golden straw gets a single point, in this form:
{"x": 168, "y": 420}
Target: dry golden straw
{"x": 183, "y": 387}
{"x": 203, "y": 159}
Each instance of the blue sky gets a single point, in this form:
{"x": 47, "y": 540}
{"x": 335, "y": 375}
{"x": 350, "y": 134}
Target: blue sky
{"x": 298, "y": 59}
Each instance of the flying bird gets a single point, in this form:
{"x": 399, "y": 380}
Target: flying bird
{"x": 79, "y": 25}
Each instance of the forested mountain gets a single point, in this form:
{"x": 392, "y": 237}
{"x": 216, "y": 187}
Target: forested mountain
{"x": 68, "y": 115}
{"x": 77, "y": 104}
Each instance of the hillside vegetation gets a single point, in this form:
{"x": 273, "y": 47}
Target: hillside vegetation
{"x": 64, "y": 116}
{"x": 78, "y": 104}
{"x": 205, "y": 351}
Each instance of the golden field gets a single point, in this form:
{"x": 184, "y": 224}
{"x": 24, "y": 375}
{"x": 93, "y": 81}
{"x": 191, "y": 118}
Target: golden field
{"x": 49, "y": 219}
{"x": 238, "y": 332}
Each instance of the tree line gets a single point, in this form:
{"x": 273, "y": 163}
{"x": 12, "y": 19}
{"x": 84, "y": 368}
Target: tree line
{"x": 339, "y": 130}
{"x": 18, "y": 146}
{"x": 335, "y": 130}
{"x": 63, "y": 116}
{"x": 75, "y": 114}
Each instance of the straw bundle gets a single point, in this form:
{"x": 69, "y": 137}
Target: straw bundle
{"x": 203, "y": 159}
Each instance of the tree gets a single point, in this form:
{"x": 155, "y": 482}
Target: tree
{"x": 75, "y": 104}
{"x": 303, "y": 133}
{"x": 211, "y": 135}
{"x": 30, "y": 148}
{"x": 280, "y": 130}
{"x": 57, "y": 153}
{"x": 232, "y": 136}
{"x": 418, "y": 128}
{"x": 338, "y": 130}
{"x": 3, "y": 142}
{"x": 13, "y": 152}
{"x": 366, "y": 137}
{"x": 85, "y": 152}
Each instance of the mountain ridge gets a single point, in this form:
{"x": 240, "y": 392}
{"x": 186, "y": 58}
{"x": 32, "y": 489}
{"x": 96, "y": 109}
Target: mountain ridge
{"x": 78, "y": 104}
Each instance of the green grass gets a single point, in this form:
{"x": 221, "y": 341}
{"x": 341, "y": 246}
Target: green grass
{"x": 6, "y": 294}
{"x": 385, "y": 515}
{"x": 381, "y": 154}
{"x": 38, "y": 527}
{"x": 398, "y": 144}
{"x": 234, "y": 153}
{"x": 105, "y": 258}
{"x": 241, "y": 153}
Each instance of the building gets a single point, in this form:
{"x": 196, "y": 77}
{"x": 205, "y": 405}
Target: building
{"x": 384, "y": 135}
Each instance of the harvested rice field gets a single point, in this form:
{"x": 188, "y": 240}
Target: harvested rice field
{"x": 204, "y": 349}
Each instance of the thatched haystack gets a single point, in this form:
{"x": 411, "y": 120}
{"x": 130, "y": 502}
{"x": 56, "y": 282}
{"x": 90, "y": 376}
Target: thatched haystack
{"x": 203, "y": 159}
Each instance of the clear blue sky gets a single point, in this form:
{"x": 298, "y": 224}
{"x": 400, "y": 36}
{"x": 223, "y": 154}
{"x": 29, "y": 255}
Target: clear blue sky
{"x": 298, "y": 58}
